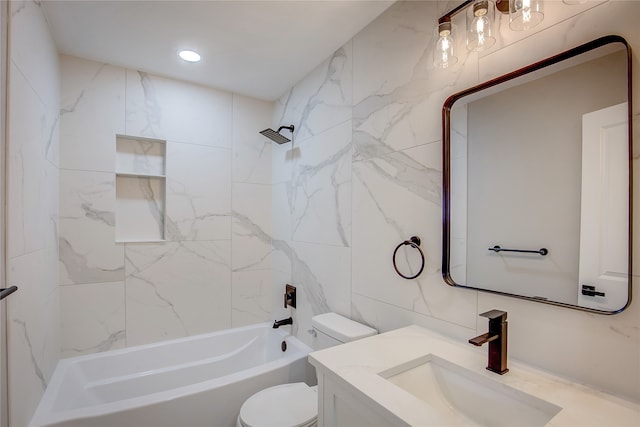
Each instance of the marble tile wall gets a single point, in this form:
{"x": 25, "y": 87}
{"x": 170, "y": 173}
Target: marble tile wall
{"x": 32, "y": 214}
{"x": 343, "y": 200}
{"x": 251, "y": 250}
{"x": 213, "y": 269}
{"x": 312, "y": 192}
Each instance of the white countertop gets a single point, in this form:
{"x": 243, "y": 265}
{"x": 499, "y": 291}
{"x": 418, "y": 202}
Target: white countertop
{"x": 357, "y": 365}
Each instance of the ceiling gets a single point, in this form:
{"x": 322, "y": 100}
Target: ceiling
{"x": 255, "y": 48}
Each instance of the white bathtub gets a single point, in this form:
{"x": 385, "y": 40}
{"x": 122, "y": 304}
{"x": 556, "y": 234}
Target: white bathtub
{"x": 189, "y": 382}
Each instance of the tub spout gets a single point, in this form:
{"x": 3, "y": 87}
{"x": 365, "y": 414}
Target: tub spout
{"x": 278, "y": 323}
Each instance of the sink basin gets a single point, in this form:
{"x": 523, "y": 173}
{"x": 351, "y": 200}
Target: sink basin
{"x": 463, "y": 397}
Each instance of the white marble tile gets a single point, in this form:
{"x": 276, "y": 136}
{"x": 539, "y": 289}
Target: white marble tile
{"x": 92, "y": 318}
{"x": 252, "y": 297}
{"x": 251, "y": 247}
{"x": 251, "y": 150}
{"x": 177, "y": 289}
{"x": 386, "y": 51}
{"x": 52, "y": 145}
{"x": 281, "y": 259}
{"x": 33, "y": 50}
{"x": 198, "y": 192}
{"x": 36, "y": 304}
{"x": 386, "y": 317}
{"x": 281, "y": 210}
{"x": 283, "y": 157}
{"x": 157, "y": 107}
{"x": 140, "y": 208}
{"x": 88, "y": 252}
{"x": 33, "y": 312}
{"x": 398, "y": 99}
{"x": 140, "y": 156}
{"x": 251, "y": 242}
{"x": 321, "y": 188}
{"x": 28, "y": 171}
{"x": 92, "y": 113}
{"x": 321, "y": 100}
{"x": 32, "y": 331}
{"x": 252, "y": 253}
{"x": 325, "y": 274}
{"x": 252, "y": 202}
{"x": 51, "y": 207}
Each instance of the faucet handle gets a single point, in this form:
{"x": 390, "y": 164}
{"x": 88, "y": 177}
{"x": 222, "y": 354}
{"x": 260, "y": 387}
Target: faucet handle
{"x": 495, "y": 315}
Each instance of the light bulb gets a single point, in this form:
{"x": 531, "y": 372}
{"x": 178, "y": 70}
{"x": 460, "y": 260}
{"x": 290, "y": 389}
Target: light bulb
{"x": 525, "y": 14}
{"x": 443, "y": 53}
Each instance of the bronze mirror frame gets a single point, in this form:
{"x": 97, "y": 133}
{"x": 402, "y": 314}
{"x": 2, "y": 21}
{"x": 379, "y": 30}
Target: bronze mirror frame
{"x": 446, "y": 158}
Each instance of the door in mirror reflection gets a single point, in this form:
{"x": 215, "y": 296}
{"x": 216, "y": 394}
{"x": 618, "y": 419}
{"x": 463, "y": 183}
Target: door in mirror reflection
{"x": 604, "y": 210}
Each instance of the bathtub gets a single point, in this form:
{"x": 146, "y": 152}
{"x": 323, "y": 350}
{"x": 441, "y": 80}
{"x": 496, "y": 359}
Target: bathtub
{"x": 189, "y": 382}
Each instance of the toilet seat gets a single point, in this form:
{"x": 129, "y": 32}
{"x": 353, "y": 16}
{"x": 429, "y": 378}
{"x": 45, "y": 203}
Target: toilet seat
{"x": 286, "y": 405}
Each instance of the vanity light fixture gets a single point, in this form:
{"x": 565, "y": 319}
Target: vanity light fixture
{"x": 189, "y": 55}
{"x": 523, "y": 15}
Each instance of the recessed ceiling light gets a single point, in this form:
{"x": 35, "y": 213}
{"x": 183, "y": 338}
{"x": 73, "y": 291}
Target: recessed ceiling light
{"x": 189, "y": 55}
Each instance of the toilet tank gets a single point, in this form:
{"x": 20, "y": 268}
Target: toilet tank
{"x": 332, "y": 329}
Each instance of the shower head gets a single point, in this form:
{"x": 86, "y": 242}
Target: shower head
{"x": 275, "y": 135}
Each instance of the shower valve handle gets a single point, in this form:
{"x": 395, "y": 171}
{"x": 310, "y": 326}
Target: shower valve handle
{"x": 290, "y": 296}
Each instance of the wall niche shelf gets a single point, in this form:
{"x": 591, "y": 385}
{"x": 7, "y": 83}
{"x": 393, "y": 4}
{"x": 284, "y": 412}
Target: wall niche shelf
{"x": 140, "y": 189}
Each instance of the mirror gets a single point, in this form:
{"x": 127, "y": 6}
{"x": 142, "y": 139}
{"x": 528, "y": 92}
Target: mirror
{"x": 537, "y": 181}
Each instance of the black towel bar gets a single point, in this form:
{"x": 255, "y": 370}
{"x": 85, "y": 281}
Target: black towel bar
{"x": 5, "y": 292}
{"x": 542, "y": 251}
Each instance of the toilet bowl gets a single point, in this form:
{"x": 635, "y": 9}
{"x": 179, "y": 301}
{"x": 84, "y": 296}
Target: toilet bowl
{"x": 296, "y": 405}
{"x": 290, "y": 405}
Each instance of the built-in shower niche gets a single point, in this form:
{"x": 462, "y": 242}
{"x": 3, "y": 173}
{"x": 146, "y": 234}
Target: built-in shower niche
{"x": 140, "y": 189}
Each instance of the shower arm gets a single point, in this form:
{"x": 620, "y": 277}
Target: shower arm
{"x": 289, "y": 128}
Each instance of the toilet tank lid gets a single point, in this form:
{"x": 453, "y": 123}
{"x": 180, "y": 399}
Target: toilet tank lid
{"x": 341, "y": 328}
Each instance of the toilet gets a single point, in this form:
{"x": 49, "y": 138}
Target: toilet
{"x": 296, "y": 405}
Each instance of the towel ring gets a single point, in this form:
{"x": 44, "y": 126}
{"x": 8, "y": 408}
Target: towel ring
{"x": 414, "y": 242}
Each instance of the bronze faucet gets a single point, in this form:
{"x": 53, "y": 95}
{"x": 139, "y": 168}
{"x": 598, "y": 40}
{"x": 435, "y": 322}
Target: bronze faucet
{"x": 497, "y": 339}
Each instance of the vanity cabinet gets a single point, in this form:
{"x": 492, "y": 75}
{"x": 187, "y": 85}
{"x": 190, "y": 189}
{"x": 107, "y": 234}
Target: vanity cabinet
{"x": 340, "y": 407}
